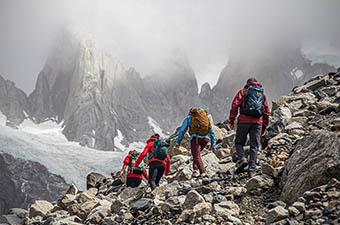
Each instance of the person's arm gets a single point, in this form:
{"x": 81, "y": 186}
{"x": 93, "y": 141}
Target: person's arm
{"x": 126, "y": 163}
{"x": 265, "y": 116}
{"x": 143, "y": 154}
{"x": 167, "y": 166}
{"x": 235, "y": 105}
{"x": 183, "y": 130}
{"x": 212, "y": 137}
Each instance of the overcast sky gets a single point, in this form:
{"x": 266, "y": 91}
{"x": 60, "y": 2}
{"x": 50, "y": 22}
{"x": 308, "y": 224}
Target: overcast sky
{"x": 143, "y": 33}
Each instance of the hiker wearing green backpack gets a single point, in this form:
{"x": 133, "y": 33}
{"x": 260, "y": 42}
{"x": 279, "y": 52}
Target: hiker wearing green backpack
{"x": 134, "y": 175}
{"x": 201, "y": 132}
{"x": 158, "y": 159}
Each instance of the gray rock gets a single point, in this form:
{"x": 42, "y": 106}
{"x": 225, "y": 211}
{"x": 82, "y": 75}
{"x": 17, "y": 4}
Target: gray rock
{"x": 13, "y": 102}
{"x": 260, "y": 181}
{"x": 276, "y": 214}
{"x": 193, "y": 198}
{"x": 141, "y": 204}
{"x": 24, "y": 181}
{"x": 226, "y": 209}
{"x": 10, "y": 219}
{"x": 40, "y": 208}
{"x": 300, "y": 206}
{"x": 300, "y": 175}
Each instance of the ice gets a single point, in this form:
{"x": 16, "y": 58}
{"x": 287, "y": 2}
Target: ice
{"x": 44, "y": 143}
{"x": 139, "y": 146}
{"x": 155, "y": 127}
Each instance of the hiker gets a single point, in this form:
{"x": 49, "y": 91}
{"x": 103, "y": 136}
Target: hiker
{"x": 201, "y": 131}
{"x": 134, "y": 174}
{"x": 250, "y": 107}
{"x": 158, "y": 159}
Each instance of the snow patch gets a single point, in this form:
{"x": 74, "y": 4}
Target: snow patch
{"x": 155, "y": 127}
{"x": 139, "y": 146}
{"x": 3, "y": 119}
{"x": 118, "y": 141}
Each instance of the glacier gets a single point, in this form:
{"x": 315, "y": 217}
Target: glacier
{"x": 44, "y": 143}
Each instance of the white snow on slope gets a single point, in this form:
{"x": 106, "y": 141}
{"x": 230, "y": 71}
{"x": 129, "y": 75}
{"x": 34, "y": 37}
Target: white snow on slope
{"x": 3, "y": 119}
{"x": 155, "y": 127}
{"x": 45, "y": 144}
{"x": 118, "y": 141}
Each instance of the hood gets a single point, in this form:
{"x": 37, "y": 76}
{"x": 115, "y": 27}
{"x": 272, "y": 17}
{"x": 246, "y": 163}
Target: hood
{"x": 151, "y": 140}
{"x": 253, "y": 84}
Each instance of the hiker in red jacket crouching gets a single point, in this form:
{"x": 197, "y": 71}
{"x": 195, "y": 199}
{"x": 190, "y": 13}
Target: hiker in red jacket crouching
{"x": 250, "y": 107}
{"x": 158, "y": 159}
{"x": 134, "y": 175}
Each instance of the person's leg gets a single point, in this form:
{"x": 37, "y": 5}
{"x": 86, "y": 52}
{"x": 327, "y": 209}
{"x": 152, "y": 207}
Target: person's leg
{"x": 129, "y": 182}
{"x": 196, "y": 154}
{"x": 138, "y": 181}
{"x": 194, "y": 147}
{"x": 240, "y": 140}
{"x": 152, "y": 176}
{"x": 160, "y": 173}
{"x": 255, "y": 141}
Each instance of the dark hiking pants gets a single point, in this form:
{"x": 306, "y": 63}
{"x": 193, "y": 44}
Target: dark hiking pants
{"x": 133, "y": 182}
{"x": 156, "y": 172}
{"x": 197, "y": 145}
{"x": 254, "y": 131}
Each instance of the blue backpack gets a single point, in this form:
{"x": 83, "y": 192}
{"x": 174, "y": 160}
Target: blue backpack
{"x": 253, "y": 101}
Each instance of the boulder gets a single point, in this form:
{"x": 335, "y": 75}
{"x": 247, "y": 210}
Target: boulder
{"x": 211, "y": 162}
{"x": 260, "y": 181}
{"x": 10, "y": 219}
{"x": 93, "y": 178}
{"x": 73, "y": 190}
{"x": 276, "y": 214}
{"x": 222, "y": 153}
{"x": 179, "y": 151}
{"x": 141, "y": 204}
{"x": 226, "y": 209}
{"x": 86, "y": 208}
{"x": 268, "y": 169}
{"x": 314, "y": 162}
{"x": 40, "y": 208}
{"x": 193, "y": 198}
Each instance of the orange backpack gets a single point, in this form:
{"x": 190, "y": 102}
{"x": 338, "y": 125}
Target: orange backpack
{"x": 200, "y": 122}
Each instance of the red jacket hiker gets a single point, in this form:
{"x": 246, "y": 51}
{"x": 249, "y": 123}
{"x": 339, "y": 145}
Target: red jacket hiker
{"x": 237, "y": 103}
{"x": 149, "y": 149}
{"x": 127, "y": 162}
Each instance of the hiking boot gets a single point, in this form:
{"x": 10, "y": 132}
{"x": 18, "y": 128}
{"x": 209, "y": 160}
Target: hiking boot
{"x": 240, "y": 165}
{"x": 195, "y": 174}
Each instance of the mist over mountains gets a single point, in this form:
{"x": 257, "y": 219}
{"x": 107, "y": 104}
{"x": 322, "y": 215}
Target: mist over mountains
{"x": 97, "y": 98}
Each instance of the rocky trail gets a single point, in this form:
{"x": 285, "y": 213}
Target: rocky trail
{"x": 297, "y": 180}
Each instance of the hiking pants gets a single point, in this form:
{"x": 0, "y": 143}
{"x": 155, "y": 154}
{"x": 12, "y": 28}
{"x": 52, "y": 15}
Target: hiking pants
{"x": 198, "y": 144}
{"x": 156, "y": 171}
{"x": 254, "y": 131}
{"x": 133, "y": 182}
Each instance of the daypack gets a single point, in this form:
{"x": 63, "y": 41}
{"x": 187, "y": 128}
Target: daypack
{"x": 160, "y": 150}
{"x": 200, "y": 122}
{"x": 253, "y": 101}
{"x": 138, "y": 170}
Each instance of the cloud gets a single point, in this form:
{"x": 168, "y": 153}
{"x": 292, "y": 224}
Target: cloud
{"x": 143, "y": 33}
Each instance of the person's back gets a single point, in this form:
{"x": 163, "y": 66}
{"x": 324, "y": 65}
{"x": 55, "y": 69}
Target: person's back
{"x": 250, "y": 108}
{"x": 134, "y": 175}
{"x": 158, "y": 159}
{"x": 201, "y": 132}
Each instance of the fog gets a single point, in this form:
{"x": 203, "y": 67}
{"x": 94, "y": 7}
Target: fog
{"x": 144, "y": 33}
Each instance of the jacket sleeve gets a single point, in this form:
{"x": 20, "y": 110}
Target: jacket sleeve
{"x": 212, "y": 136}
{"x": 143, "y": 154}
{"x": 183, "y": 129}
{"x": 168, "y": 163}
{"x": 265, "y": 115}
{"x": 127, "y": 160}
{"x": 235, "y": 105}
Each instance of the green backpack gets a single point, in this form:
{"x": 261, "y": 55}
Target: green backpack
{"x": 161, "y": 150}
{"x": 138, "y": 170}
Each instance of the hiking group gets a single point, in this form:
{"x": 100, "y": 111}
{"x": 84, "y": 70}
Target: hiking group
{"x": 249, "y": 108}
